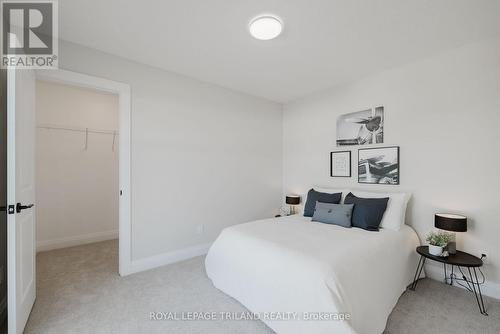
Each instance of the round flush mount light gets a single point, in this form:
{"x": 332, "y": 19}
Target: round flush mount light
{"x": 266, "y": 27}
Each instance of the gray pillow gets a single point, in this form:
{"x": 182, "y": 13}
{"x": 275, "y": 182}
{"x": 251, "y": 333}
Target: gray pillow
{"x": 336, "y": 214}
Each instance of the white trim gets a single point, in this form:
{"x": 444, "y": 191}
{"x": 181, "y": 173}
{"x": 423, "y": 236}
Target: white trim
{"x": 168, "y": 258}
{"x": 435, "y": 272}
{"x": 123, "y": 91}
{"x": 46, "y": 245}
{"x": 11, "y": 196}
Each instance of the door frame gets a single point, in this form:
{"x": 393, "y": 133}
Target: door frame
{"x": 124, "y": 98}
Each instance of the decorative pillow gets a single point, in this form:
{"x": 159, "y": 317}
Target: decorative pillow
{"x": 336, "y": 214}
{"x": 395, "y": 213}
{"x": 343, "y": 191}
{"x": 314, "y": 196}
{"x": 368, "y": 212}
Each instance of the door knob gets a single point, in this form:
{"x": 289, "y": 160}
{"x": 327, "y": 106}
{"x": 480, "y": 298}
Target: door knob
{"x": 20, "y": 207}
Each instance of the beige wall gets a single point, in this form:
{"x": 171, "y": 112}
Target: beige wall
{"x": 76, "y": 189}
{"x": 444, "y": 113}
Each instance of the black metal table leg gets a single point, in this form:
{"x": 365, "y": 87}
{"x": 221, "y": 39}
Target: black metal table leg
{"x": 480, "y": 302}
{"x": 483, "y": 310}
{"x": 420, "y": 266}
{"x": 451, "y": 276}
{"x": 446, "y": 274}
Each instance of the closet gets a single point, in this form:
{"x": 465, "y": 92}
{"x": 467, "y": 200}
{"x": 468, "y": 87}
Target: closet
{"x": 76, "y": 166}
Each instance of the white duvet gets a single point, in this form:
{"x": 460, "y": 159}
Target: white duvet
{"x": 290, "y": 265}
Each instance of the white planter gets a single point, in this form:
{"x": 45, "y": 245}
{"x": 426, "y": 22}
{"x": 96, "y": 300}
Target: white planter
{"x": 435, "y": 250}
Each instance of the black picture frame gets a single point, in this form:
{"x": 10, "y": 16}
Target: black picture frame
{"x": 331, "y": 163}
{"x": 385, "y": 170}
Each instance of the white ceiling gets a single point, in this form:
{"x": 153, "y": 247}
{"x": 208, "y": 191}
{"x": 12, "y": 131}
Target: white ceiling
{"x": 325, "y": 42}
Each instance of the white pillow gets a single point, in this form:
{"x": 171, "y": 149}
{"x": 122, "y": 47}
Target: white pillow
{"x": 303, "y": 197}
{"x": 395, "y": 213}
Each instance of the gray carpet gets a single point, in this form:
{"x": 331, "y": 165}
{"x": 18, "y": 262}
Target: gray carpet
{"x": 79, "y": 291}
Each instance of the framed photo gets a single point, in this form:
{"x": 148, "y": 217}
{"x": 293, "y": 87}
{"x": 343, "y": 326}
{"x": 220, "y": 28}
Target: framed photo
{"x": 340, "y": 164}
{"x": 361, "y": 128}
{"x": 378, "y": 165}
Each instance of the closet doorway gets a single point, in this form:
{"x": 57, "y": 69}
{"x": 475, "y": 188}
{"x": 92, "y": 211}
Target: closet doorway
{"x": 82, "y": 163}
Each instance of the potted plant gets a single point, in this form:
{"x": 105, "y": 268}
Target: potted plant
{"x": 437, "y": 241}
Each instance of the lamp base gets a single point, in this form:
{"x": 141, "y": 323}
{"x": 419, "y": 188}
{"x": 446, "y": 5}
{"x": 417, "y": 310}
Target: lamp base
{"x": 452, "y": 247}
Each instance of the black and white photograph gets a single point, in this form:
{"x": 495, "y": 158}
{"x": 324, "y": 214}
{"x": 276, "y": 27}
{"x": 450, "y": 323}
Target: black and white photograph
{"x": 378, "y": 165}
{"x": 361, "y": 127}
{"x": 340, "y": 164}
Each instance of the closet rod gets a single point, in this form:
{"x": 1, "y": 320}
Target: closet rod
{"x": 84, "y": 130}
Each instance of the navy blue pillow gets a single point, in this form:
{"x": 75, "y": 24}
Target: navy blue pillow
{"x": 314, "y": 196}
{"x": 368, "y": 212}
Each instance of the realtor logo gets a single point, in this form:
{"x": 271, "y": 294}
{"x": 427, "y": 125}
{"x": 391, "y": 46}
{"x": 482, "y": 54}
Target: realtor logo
{"x": 29, "y": 34}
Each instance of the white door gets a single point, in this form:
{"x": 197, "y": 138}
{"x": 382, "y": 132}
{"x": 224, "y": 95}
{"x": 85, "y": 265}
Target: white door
{"x": 20, "y": 196}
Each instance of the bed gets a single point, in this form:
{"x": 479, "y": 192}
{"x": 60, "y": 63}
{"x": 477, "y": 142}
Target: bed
{"x": 307, "y": 270}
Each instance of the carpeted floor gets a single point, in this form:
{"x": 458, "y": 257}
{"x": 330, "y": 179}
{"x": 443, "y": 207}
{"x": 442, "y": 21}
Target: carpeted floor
{"x": 79, "y": 291}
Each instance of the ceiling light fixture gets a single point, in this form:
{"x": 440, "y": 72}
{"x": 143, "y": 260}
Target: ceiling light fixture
{"x": 266, "y": 27}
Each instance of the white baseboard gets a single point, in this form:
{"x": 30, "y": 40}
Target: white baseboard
{"x": 436, "y": 272}
{"x": 46, "y": 245}
{"x": 168, "y": 258}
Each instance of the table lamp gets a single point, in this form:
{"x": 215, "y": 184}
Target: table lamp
{"x": 292, "y": 200}
{"x": 451, "y": 222}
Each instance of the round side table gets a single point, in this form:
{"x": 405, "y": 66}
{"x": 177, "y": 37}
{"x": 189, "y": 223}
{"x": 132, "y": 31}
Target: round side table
{"x": 461, "y": 260}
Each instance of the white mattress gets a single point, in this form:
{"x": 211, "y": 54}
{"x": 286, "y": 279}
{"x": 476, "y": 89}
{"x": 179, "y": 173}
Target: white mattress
{"x": 295, "y": 266}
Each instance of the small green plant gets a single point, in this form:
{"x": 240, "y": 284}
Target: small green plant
{"x": 440, "y": 239}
